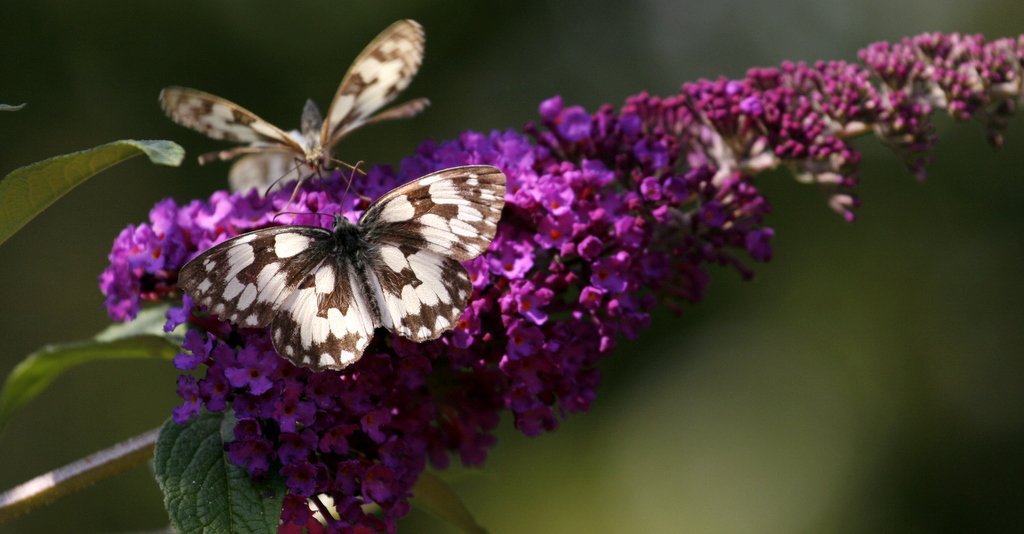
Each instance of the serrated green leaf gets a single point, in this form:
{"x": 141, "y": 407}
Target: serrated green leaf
{"x": 204, "y": 492}
{"x": 8, "y": 107}
{"x": 29, "y": 190}
{"x": 432, "y": 495}
{"x": 141, "y": 338}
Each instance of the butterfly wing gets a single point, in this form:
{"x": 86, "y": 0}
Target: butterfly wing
{"x": 263, "y": 169}
{"x": 453, "y": 212}
{"x": 247, "y": 278}
{"x": 420, "y": 294}
{"x": 327, "y": 322}
{"x": 404, "y": 110}
{"x": 222, "y": 119}
{"x": 420, "y": 232}
{"x": 382, "y": 70}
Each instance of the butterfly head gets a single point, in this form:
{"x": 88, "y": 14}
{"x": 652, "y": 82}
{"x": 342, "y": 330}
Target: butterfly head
{"x": 314, "y": 159}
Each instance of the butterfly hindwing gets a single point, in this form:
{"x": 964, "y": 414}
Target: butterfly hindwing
{"x": 263, "y": 169}
{"x": 287, "y": 277}
{"x": 327, "y": 321}
{"x": 420, "y": 294}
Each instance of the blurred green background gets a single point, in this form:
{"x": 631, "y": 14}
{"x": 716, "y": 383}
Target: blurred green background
{"x": 870, "y": 379}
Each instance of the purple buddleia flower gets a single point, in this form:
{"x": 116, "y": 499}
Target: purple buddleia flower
{"x": 215, "y": 388}
{"x": 255, "y": 454}
{"x": 290, "y": 410}
{"x": 377, "y": 484}
{"x": 197, "y": 347}
{"x": 523, "y": 339}
{"x": 335, "y": 439}
{"x": 178, "y": 315}
{"x": 303, "y": 478}
{"x": 372, "y": 423}
{"x": 592, "y": 297}
{"x": 252, "y": 370}
{"x": 528, "y": 300}
{"x": 712, "y": 214}
{"x": 611, "y": 273}
{"x": 188, "y": 391}
{"x": 466, "y": 330}
{"x": 608, "y": 214}
{"x": 513, "y": 260}
{"x": 555, "y": 230}
{"x": 296, "y": 511}
{"x": 550, "y": 108}
{"x": 296, "y": 446}
{"x": 574, "y": 124}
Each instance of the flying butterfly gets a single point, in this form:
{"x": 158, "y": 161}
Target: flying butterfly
{"x": 382, "y": 70}
{"x": 323, "y": 292}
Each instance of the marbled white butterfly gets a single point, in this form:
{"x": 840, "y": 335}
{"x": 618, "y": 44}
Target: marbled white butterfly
{"x": 324, "y": 292}
{"x": 383, "y": 69}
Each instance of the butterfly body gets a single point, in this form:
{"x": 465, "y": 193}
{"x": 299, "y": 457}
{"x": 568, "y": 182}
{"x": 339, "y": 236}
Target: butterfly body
{"x": 384, "y": 68}
{"x": 324, "y": 292}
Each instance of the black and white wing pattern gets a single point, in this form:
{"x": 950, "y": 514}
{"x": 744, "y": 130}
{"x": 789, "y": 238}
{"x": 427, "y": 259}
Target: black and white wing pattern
{"x": 323, "y": 293}
{"x": 224, "y": 120}
{"x": 382, "y": 70}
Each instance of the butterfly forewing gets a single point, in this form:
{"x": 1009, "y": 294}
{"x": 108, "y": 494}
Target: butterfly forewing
{"x": 248, "y": 278}
{"x": 382, "y": 70}
{"x": 221, "y": 119}
{"x": 453, "y": 212}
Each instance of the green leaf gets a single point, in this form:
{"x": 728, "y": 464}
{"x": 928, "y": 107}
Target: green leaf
{"x": 8, "y": 107}
{"x": 204, "y": 492}
{"x": 141, "y": 338}
{"x": 436, "y": 498}
{"x": 149, "y": 321}
{"x": 29, "y": 190}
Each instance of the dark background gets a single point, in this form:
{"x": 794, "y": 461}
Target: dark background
{"x": 869, "y": 380}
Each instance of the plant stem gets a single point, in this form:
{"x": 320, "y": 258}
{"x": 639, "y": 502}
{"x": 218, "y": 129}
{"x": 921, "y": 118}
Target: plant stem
{"x": 62, "y": 481}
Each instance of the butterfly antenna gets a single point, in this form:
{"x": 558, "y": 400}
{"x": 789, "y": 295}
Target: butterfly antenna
{"x": 353, "y": 167}
{"x": 299, "y": 182}
{"x": 348, "y": 185}
{"x": 298, "y": 163}
{"x": 351, "y": 178}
